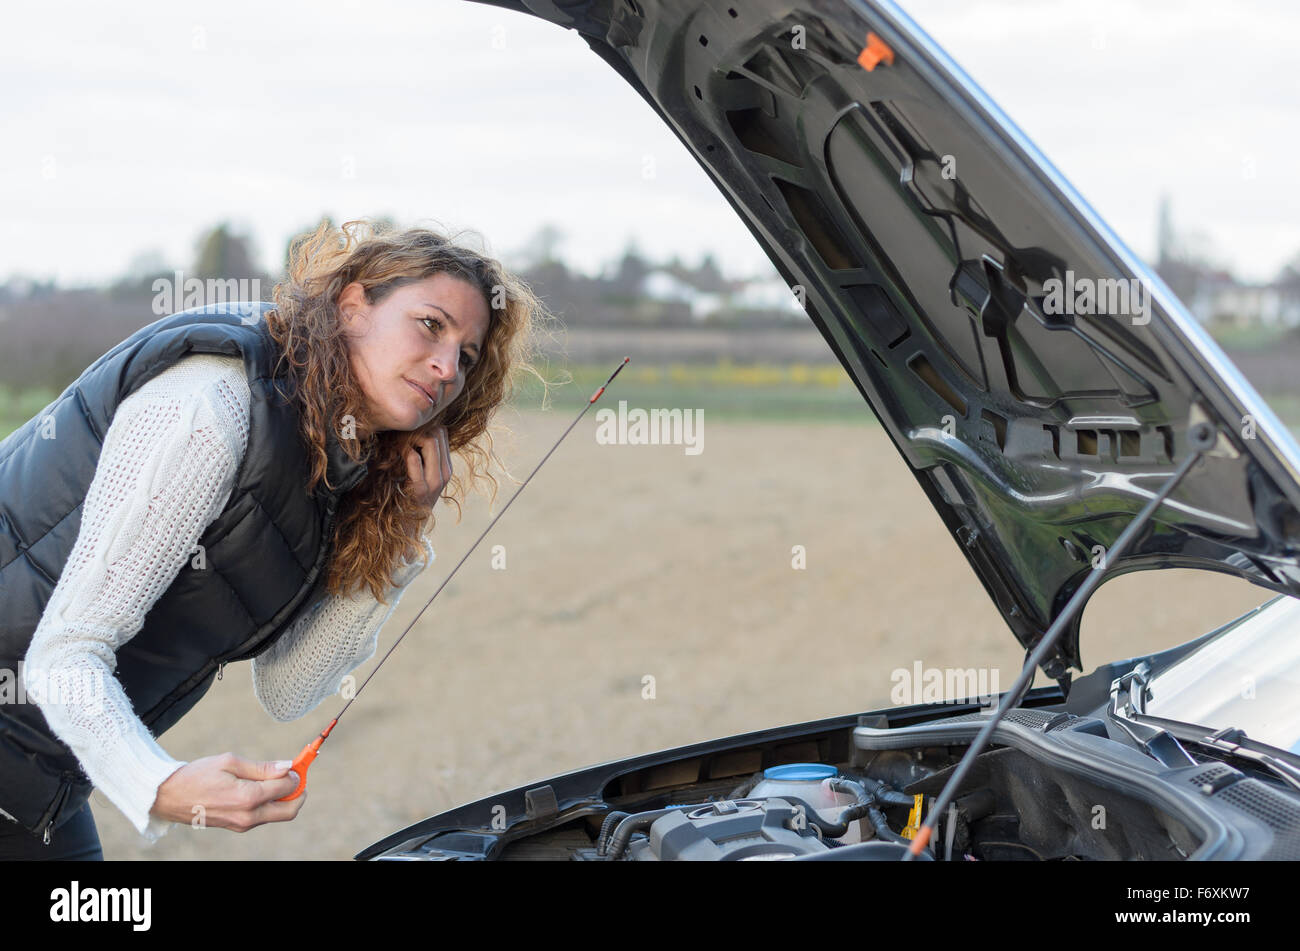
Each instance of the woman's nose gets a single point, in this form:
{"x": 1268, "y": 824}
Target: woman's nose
{"x": 446, "y": 362}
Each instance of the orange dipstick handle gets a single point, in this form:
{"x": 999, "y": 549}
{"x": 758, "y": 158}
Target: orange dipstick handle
{"x": 304, "y": 760}
{"x": 918, "y": 842}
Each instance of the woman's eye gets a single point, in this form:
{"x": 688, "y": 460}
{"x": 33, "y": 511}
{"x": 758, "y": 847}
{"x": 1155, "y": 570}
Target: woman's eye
{"x": 465, "y": 358}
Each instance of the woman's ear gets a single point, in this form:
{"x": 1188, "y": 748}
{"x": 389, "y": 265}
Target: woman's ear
{"x": 352, "y": 306}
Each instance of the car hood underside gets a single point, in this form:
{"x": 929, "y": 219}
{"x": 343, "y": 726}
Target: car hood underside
{"x": 948, "y": 266}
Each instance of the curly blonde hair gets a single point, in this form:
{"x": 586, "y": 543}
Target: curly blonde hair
{"x": 377, "y": 523}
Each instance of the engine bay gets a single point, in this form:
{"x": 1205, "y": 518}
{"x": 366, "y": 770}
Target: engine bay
{"x": 1012, "y": 807}
{"x": 1051, "y": 786}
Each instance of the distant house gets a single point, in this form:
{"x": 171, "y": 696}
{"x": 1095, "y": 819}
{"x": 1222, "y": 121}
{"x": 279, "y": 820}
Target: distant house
{"x": 1219, "y": 299}
{"x": 662, "y": 286}
{"x": 1213, "y": 295}
{"x": 771, "y": 294}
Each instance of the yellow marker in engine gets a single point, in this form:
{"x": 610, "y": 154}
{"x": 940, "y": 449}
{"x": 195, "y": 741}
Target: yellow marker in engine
{"x": 913, "y": 818}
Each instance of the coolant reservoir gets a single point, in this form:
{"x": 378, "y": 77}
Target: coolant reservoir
{"x": 811, "y": 783}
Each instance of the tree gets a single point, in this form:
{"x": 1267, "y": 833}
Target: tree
{"x": 223, "y": 255}
{"x": 630, "y": 272}
{"x": 543, "y": 248}
{"x": 708, "y": 278}
{"x": 1289, "y": 276}
{"x": 1183, "y": 260}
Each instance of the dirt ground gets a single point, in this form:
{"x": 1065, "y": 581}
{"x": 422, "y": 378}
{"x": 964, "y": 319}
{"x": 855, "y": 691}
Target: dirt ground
{"x": 623, "y": 561}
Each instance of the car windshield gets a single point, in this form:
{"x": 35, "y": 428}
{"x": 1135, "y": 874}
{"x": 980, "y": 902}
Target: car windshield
{"x": 1248, "y": 678}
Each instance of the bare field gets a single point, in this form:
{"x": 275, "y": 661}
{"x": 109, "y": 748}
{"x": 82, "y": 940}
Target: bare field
{"x": 623, "y": 561}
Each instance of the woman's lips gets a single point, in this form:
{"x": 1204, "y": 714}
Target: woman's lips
{"x": 421, "y": 391}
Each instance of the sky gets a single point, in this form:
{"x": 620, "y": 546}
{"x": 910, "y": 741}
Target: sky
{"x": 131, "y": 128}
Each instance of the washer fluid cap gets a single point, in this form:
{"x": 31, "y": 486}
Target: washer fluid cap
{"x": 800, "y": 772}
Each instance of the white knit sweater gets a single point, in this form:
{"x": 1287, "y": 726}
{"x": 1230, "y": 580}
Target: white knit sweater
{"x": 166, "y": 471}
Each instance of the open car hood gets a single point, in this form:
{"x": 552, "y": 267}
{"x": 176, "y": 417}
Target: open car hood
{"x": 947, "y": 264}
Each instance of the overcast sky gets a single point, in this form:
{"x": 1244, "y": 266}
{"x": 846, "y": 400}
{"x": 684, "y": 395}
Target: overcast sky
{"x": 130, "y": 127}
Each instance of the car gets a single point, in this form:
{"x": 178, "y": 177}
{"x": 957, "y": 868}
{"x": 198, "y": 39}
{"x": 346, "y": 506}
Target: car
{"x": 1067, "y": 417}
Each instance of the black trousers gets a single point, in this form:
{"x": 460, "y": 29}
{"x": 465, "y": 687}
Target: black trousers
{"x": 77, "y": 839}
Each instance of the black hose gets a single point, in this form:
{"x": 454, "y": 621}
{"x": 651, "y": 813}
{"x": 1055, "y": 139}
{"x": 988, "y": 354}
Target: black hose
{"x": 883, "y": 794}
{"x": 881, "y": 825}
{"x": 606, "y": 827}
{"x": 632, "y": 824}
{"x": 851, "y": 813}
{"x": 871, "y": 794}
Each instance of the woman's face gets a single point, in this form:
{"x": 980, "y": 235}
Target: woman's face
{"x": 412, "y": 352}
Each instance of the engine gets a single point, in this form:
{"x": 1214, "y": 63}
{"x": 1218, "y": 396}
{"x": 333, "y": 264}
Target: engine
{"x": 799, "y": 810}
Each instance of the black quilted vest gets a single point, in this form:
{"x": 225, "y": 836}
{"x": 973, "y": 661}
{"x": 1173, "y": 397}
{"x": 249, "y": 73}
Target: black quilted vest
{"x": 262, "y": 560}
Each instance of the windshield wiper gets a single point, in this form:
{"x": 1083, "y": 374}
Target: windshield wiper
{"x": 1227, "y": 741}
{"x": 1163, "y": 739}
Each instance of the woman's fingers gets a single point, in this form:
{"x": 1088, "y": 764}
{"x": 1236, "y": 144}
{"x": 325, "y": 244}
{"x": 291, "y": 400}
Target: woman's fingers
{"x": 429, "y": 465}
{"x": 257, "y": 769}
{"x": 275, "y": 811}
{"x": 430, "y": 451}
{"x": 415, "y": 471}
{"x": 228, "y": 792}
{"x": 438, "y": 459}
{"x": 446, "y": 457}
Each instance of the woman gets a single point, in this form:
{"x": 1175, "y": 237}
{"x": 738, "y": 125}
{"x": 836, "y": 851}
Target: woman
{"x": 260, "y": 491}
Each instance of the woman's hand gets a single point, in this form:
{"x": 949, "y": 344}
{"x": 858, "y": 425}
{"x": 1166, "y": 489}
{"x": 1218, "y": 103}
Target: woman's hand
{"x": 228, "y": 792}
{"x": 429, "y": 468}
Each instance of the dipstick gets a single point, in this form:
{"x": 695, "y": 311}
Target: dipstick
{"x": 304, "y": 759}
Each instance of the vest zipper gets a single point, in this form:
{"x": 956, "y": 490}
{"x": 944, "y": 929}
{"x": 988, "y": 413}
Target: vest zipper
{"x": 59, "y": 800}
{"x": 220, "y": 667}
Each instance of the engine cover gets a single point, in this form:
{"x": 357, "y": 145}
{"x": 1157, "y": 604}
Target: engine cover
{"x": 740, "y": 829}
